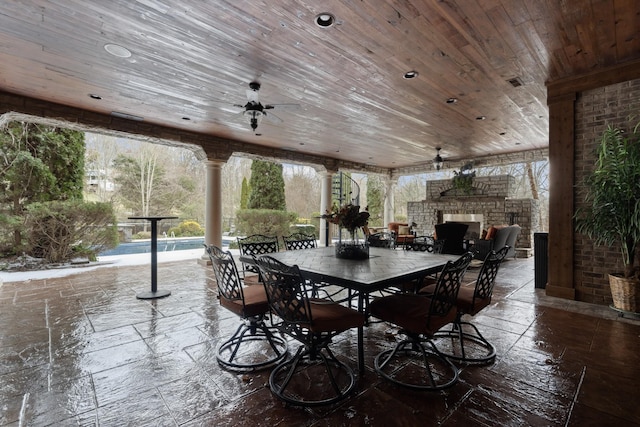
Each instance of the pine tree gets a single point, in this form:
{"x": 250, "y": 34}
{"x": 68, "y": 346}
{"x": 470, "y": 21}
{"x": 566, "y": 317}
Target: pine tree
{"x": 375, "y": 199}
{"x": 244, "y": 194}
{"x": 39, "y": 164}
{"x": 267, "y": 186}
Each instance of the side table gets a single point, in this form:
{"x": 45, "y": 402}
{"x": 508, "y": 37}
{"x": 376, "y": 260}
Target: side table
{"x": 155, "y": 293}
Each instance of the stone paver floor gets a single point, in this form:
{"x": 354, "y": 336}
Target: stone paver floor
{"x": 82, "y": 350}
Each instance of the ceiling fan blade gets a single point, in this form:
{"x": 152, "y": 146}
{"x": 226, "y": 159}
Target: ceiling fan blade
{"x": 270, "y": 117}
{"x": 282, "y": 106}
{"x": 235, "y": 108}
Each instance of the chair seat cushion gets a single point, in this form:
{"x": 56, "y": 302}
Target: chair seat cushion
{"x": 464, "y": 302}
{"x": 411, "y": 312}
{"x": 429, "y": 289}
{"x": 467, "y": 305}
{"x": 255, "y": 302}
{"x": 405, "y": 238}
{"x": 252, "y": 279}
{"x": 329, "y": 316}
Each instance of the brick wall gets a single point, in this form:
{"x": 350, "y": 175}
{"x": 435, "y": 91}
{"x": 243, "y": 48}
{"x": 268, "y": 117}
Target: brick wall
{"x": 595, "y": 109}
{"x": 492, "y": 197}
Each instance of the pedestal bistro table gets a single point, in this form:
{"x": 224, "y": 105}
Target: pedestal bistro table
{"x": 155, "y": 293}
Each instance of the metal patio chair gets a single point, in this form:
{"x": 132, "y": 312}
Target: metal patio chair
{"x": 250, "y": 303}
{"x": 419, "y": 317}
{"x": 314, "y": 376}
{"x": 464, "y": 342}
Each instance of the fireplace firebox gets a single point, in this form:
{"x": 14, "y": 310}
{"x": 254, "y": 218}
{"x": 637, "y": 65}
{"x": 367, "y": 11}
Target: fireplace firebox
{"x": 474, "y": 221}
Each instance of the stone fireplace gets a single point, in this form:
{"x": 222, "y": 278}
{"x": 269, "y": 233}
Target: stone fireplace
{"x": 491, "y": 202}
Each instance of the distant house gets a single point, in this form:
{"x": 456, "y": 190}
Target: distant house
{"x": 98, "y": 179}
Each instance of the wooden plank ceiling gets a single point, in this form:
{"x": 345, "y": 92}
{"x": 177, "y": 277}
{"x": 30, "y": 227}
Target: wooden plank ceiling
{"x": 191, "y": 61}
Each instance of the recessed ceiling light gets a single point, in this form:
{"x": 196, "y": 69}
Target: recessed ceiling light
{"x": 325, "y": 20}
{"x": 94, "y": 96}
{"x": 117, "y": 50}
{"x": 411, "y": 74}
{"x": 452, "y": 100}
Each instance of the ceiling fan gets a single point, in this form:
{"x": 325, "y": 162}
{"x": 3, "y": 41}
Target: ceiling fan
{"x": 255, "y": 111}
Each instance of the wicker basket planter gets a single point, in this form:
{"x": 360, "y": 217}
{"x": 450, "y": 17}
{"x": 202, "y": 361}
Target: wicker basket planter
{"x": 625, "y": 293}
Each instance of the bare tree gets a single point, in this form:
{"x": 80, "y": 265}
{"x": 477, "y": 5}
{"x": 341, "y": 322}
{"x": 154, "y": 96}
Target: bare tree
{"x": 302, "y": 190}
{"x": 234, "y": 170}
{"x": 409, "y": 189}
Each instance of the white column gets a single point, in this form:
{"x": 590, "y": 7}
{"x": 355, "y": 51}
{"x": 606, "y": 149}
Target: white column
{"x": 325, "y": 204}
{"x": 389, "y": 200}
{"x": 213, "y": 203}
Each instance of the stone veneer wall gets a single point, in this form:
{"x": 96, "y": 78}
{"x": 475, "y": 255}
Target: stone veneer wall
{"x": 492, "y": 198}
{"x": 595, "y": 109}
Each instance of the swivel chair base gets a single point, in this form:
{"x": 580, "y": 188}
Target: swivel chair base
{"x": 465, "y": 347}
{"x": 300, "y": 382}
{"x": 436, "y": 372}
{"x": 230, "y": 354}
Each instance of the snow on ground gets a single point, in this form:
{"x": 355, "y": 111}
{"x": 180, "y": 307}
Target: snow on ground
{"x": 103, "y": 262}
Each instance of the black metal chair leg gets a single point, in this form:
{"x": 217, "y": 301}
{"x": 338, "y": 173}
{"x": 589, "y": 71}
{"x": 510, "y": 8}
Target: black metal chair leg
{"x": 228, "y": 350}
{"x": 280, "y": 387}
{"x": 409, "y": 347}
{"x": 463, "y": 343}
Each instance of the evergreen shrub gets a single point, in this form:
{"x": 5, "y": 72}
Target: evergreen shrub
{"x": 59, "y": 231}
{"x": 264, "y": 221}
{"x": 309, "y": 229}
{"x": 187, "y": 229}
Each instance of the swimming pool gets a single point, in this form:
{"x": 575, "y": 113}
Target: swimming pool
{"x": 164, "y": 245}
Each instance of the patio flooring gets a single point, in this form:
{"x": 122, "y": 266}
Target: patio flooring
{"x": 82, "y": 350}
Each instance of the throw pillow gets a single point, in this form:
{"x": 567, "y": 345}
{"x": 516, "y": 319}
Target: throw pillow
{"x": 403, "y": 229}
{"x": 491, "y": 233}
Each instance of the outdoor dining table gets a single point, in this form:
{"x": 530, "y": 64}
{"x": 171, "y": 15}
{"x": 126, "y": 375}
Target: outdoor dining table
{"x": 383, "y": 269}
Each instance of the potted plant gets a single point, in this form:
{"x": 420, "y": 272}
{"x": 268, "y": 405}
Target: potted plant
{"x": 612, "y": 214}
{"x": 463, "y": 180}
{"x": 350, "y": 218}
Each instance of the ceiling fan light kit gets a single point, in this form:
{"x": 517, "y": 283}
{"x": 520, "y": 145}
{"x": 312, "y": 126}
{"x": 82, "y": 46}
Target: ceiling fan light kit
{"x": 254, "y": 111}
{"x": 255, "y": 117}
{"x": 437, "y": 160}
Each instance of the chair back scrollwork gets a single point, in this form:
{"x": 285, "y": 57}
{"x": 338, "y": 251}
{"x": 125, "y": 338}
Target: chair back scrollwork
{"x": 286, "y": 294}
{"x": 226, "y": 272}
{"x": 297, "y": 241}
{"x": 448, "y": 285}
{"x": 488, "y": 272}
{"x": 256, "y": 245}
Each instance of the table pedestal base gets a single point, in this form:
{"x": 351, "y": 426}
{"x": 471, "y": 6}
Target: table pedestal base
{"x": 153, "y": 295}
